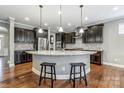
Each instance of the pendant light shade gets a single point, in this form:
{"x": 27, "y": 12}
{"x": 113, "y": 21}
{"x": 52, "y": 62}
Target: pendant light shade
{"x": 81, "y": 29}
{"x": 40, "y": 30}
{"x": 60, "y": 29}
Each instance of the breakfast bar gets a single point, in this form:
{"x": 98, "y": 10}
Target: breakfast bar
{"x": 62, "y": 60}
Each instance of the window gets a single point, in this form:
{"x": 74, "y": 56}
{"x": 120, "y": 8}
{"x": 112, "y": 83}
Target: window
{"x": 121, "y": 28}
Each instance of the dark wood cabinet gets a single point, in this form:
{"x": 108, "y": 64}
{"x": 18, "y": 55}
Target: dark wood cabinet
{"x": 94, "y": 34}
{"x": 66, "y": 37}
{"x": 59, "y": 36}
{"x": 69, "y": 38}
{"x": 22, "y": 57}
{"x": 23, "y": 35}
{"x": 96, "y": 58}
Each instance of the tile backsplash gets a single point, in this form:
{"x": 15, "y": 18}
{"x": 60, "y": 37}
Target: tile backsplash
{"x": 90, "y": 46}
{"x": 24, "y": 46}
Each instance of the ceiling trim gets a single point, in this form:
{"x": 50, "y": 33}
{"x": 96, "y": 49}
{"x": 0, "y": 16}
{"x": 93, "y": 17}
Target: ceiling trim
{"x": 105, "y": 21}
{"x": 17, "y": 23}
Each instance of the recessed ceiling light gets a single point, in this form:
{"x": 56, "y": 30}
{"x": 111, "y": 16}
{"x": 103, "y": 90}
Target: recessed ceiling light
{"x": 45, "y": 24}
{"x": 86, "y": 18}
{"x": 27, "y": 18}
{"x": 69, "y": 24}
{"x": 59, "y": 12}
{"x": 115, "y": 8}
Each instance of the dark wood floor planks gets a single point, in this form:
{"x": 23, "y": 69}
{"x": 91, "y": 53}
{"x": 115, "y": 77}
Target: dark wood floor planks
{"x": 22, "y": 77}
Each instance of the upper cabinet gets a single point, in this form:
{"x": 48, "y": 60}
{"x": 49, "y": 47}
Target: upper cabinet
{"x": 94, "y": 34}
{"x": 59, "y": 36}
{"x": 23, "y": 35}
{"x": 66, "y": 37}
{"x": 69, "y": 38}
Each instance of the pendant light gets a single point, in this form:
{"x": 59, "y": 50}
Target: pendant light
{"x": 60, "y": 29}
{"x": 81, "y": 29}
{"x": 40, "y": 30}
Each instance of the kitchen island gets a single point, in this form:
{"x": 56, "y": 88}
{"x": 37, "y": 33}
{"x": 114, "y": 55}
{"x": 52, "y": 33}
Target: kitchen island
{"x": 62, "y": 60}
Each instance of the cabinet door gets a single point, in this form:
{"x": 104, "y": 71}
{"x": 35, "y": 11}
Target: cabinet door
{"x": 28, "y": 36}
{"x": 72, "y": 39}
{"x": 68, "y": 38}
{"x": 84, "y": 37}
{"x": 58, "y": 37}
{"x": 23, "y": 35}
{"x": 15, "y": 35}
{"x": 31, "y": 36}
{"x": 99, "y": 38}
{"x": 18, "y": 33}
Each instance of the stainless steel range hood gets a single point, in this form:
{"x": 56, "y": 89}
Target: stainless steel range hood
{"x": 78, "y": 35}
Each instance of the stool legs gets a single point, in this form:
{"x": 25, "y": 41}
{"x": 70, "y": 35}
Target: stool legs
{"x": 85, "y": 78}
{"x": 45, "y": 72}
{"x": 55, "y": 72}
{"x": 70, "y": 74}
{"x": 80, "y": 74}
{"x": 74, "y": 78}
{"x": 51, "y": 77}
{"x": 40, "y": 75}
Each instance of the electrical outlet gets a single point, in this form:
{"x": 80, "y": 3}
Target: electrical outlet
{"x": 63, "y": 68}
{"x": 115, "y": 59}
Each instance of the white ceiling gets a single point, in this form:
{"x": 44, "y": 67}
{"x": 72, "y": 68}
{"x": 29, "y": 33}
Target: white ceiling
{"x": 70, "y": 14}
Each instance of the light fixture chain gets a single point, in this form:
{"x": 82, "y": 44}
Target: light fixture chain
{"x": 60, "y": 16}
{"x": 41, "y": 16}
{"x": 81, "y": 16}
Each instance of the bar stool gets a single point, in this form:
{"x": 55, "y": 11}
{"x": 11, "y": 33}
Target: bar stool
{"x": 53, "y": 72}
{"x": 72, "y": 71}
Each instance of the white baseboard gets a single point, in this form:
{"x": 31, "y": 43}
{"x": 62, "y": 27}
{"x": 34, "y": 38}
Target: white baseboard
{"x": 57, "y": 76}
{"x": 10, "y": 64}
{"x": 113, "y": 64}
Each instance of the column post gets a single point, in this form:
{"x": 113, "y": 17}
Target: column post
{"x": 11, "y": 42}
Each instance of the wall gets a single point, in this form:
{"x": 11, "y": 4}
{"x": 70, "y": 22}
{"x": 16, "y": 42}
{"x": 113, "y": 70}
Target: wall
{"x": 4, "y": 32}
{"x": 113, "y": 43}
{"x": 4, "y": 45}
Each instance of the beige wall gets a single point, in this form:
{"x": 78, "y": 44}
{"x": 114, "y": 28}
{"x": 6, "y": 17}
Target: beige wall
{"x": 4, "y": 45}
{"x": 113, "y": 43}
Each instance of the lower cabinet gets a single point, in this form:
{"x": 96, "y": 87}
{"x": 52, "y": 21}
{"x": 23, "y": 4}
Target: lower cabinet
{"x": 22, "y": 57}
{"x": 96, "y": 58}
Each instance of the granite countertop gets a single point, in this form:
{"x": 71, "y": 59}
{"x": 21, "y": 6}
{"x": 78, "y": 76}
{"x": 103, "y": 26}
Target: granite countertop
{"x": 81, "y": 49}
{"x": 59, "y": 53}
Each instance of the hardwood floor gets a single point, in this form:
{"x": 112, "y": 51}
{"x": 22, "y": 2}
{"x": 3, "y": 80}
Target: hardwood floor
{"x": 22, "y": 77}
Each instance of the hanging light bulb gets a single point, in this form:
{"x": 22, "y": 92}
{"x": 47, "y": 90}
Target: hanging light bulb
{"x": 60, "y": 28}
{"x": 81, "y": 29}
{"x": 40, "y": 30}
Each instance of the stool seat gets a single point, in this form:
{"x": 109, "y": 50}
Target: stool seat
{"x": 78, "y": 64}
{"x": 48, "y": 64}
